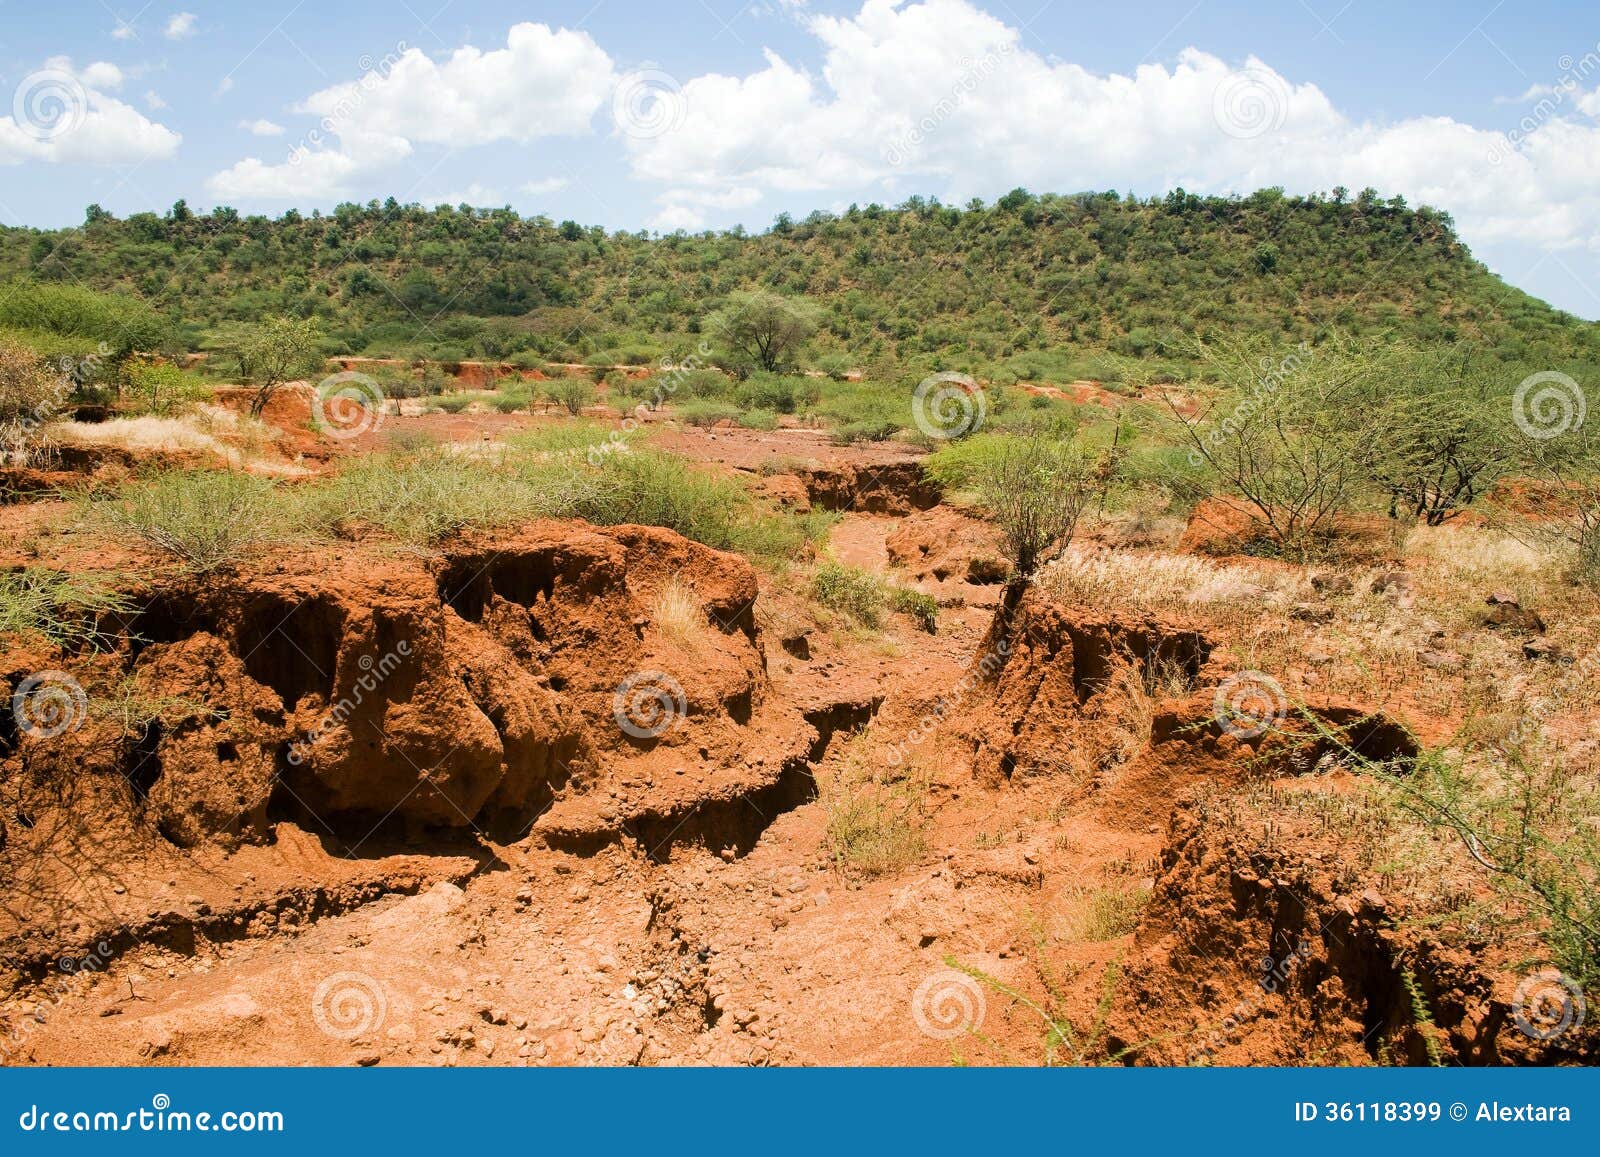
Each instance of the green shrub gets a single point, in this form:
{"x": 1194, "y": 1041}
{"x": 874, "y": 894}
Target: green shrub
{"x": 572, "y": 394}
{"x": 64, "y": 608}
{"x": 758, "y": 420}
{"x": 781, "y": 392}
{"x": 707, "y": 413}
{"x": 921, "y": 607}
{"x": 511, "y": 401}
{"x": 204, "y": 518}
{"x": 161, "y": 388}
{"x": 853, "y": 592}
{"x": 454, "y": 403}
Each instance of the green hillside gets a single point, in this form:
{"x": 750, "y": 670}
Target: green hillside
{"x": 1038, "y": 286}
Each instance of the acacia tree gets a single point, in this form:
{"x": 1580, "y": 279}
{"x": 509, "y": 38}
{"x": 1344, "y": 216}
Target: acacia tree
{"x": 1289, "y": 432}
{"x": 29, "y": 396}
{"x": 1446, "y": 430}
{"x": 758, "y": 329}
{"x": 1036, "y": 488}
{"x": 268, "y": 354}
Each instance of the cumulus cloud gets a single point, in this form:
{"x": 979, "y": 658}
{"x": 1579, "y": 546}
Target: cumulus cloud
{"x": 61, "y": 113}
{"x": 262, "y": 127}
{"x": 545, "y": 82}
{"x": 941, "y": 95}
{"x": 152, "y": 100}
{"x": 181, "y": 26}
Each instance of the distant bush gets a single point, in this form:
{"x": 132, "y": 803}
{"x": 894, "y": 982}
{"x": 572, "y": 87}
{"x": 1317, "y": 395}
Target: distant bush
{"x": 572, "y": 394}
{"x": 707, "y": 413}
{"x": 779, "y": 392}
{"x": 161, "y": 388}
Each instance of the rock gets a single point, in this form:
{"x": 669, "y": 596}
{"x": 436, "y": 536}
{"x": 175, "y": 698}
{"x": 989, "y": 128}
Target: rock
{"x": 797, "y": 644}
{"x": 1536, "y": 649}
{"x": 1332, "y": 583}
{"x": 1511, "y": 616}
{"x": 367, "y": 1059}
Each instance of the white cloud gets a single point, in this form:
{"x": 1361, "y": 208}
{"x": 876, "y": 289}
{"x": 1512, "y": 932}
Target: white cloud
{"x": 543, "y": 83}
{"x": 123, "y": 31}
{"x": 152, "y": 100}
{"x": 63, "y": 114}
{"x": 181, "y": 26}
{"x": 941, "y": 96}
{"x": 671, "y": 218}
{"x": 224, "y": 85}
{"x": 547, "y": 185}
{"x": 476, "y": 195}
{"x": 262, "y": 127}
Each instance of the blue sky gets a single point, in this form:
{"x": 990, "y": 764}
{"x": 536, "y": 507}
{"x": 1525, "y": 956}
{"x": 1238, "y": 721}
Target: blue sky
{"x": 708, "y": 113}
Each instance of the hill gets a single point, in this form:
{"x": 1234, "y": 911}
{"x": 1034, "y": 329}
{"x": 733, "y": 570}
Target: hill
{"x": 1032, "y": 285}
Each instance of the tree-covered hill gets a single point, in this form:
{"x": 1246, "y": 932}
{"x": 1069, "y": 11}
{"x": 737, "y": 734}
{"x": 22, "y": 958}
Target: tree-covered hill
{"x": 1036, "y": 285}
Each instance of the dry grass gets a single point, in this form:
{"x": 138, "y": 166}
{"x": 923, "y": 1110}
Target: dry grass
{"x": 1108, "y": 913}
{"x": 1170, "y": 582}
{"x": 876, "y": 821}
{"x": 678, "y": 614}
{"x": 239, "y": 442}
